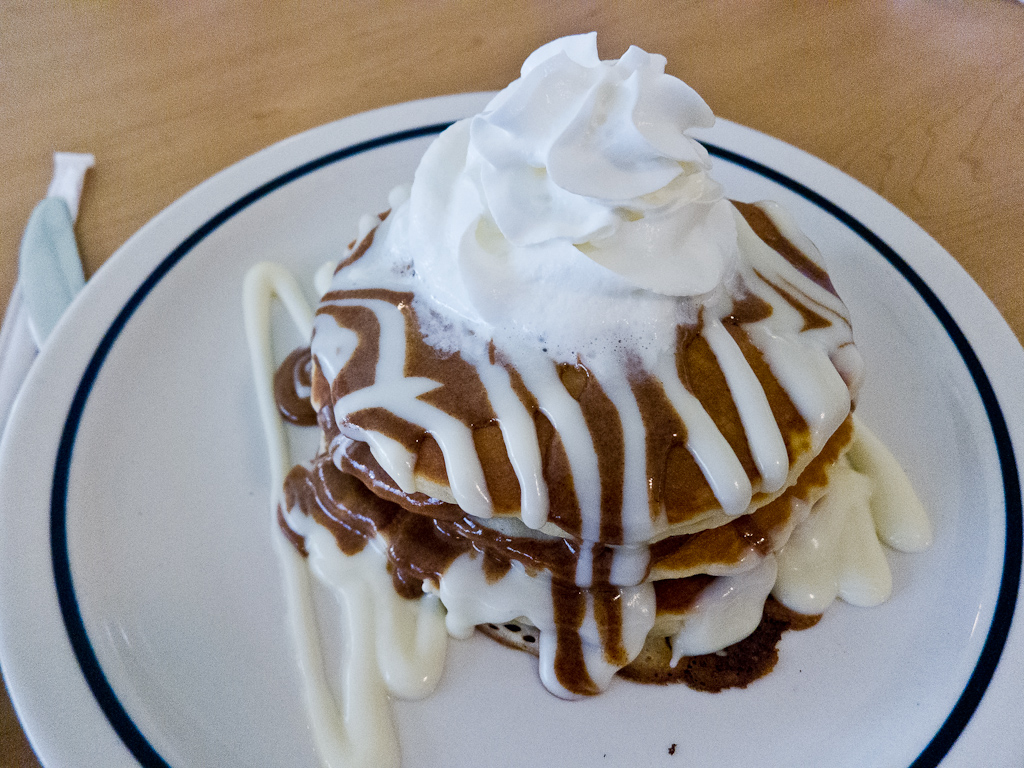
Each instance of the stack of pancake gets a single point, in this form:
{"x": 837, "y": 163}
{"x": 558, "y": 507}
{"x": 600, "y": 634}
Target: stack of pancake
{"x": 609, "y": 513}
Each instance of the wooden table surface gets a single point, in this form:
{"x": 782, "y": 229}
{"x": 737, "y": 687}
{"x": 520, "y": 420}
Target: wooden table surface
{"x": 921, "y": 101}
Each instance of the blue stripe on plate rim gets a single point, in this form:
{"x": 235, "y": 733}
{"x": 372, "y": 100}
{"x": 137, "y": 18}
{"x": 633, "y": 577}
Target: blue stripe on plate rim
{"x": 148, "y": 757}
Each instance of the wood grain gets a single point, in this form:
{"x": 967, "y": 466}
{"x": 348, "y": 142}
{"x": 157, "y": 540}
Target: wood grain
{"x": 921, "y": 101}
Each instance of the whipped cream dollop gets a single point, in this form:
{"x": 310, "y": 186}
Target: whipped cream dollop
{"x": 574, "y": 210}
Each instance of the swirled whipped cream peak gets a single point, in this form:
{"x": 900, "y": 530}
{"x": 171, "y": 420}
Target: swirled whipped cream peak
{"x": 576, "y": 148}
{"x": 574, "y": 209}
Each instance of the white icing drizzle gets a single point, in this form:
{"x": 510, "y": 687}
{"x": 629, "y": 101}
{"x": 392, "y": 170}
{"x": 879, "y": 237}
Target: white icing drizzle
{"x": 761, "y": 257}
{"x": 899, "y": 515}
{"x": 335, "y": 347}
{"x": 726, "y": 611}
{"x": 366, "y": 223}
{"x": 637, "y": 524}
{"x": 585, "y": 566}
{"x": 836, "y": 551}
{"x": 397, "y": 460}
{"x": 809, "y": 378}
{"x": 471, "y": 599}
{"x": 262, "y": 284}
{"x": 763, "y": 434}
{"x": 378, "y": 624}
{"x": 629, "y": 564}
{"x": 409, "y": 635}
{"x": 639, "y": 613}
{"x": 322, "y": 277}
{"x": 850, "y": 365}
{"x": 540, "y": 376}
{"x": 713, "y": 454}
{"x": 339, "y": 742}
{"x": 520, "y": 435}
{"x": 798, "y": 358}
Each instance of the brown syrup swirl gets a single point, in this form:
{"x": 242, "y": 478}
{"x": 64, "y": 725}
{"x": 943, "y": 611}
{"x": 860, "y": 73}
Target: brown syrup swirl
{"x": 291, "y": 383}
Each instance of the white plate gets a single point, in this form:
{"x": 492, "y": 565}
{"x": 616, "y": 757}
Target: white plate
{"x": 141, "y": 615}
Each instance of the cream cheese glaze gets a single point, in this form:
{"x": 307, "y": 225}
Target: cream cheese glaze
{"x": 565, "y": 382}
